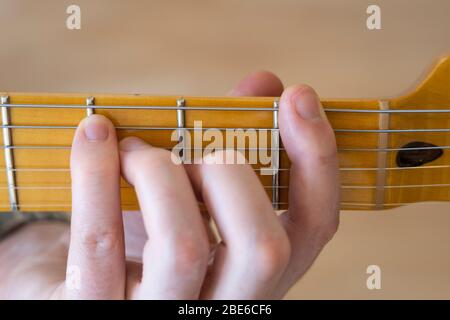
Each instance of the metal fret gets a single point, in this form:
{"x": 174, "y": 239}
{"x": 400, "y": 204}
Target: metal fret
{"x": 275, "y": 158}
{"x": 383, "y": 143}
{"x": 89, "y": 103}
{"x": 181, "y": 119}
{"x": 9, "y": 159}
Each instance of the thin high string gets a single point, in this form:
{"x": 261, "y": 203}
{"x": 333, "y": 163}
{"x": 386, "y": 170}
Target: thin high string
{"x": 212, "y": 108}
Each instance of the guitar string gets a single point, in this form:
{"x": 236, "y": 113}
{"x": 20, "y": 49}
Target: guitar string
{"x": 67, "y": 170}
{"x": 350, "y": 169}
{"x": 37, "y": 147}
{"x": 215, "y": 108}
{"x": 131, "y": 128}
{"x": 266, "y": 187}
{"x": 343, "y": 204}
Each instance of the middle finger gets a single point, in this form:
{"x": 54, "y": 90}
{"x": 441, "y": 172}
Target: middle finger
{"x": 176, "y": 254}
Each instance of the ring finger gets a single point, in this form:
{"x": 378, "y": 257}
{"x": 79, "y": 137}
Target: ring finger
{"x": 255, "y": 249}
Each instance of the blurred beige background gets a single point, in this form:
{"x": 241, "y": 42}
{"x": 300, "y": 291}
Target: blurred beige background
{"x": 203, "y": 47}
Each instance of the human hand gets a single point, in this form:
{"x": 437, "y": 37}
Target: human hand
{"x": 260, "y": 256}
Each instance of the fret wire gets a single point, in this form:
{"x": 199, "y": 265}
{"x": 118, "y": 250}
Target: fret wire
{"x": 382, "y": 157}
{"x": 224, "y": 129}
{"x": 9, "y": 157}
{"x": 210, "y": 108}
{"x": 275, "y": 157}
{"x": 181, "y": 123}
{"x": 90, "y": 101}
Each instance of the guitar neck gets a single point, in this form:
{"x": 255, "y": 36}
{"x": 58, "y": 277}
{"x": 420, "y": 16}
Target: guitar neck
{"x": 38, "y": 131}
{"x": 391, "y": 152}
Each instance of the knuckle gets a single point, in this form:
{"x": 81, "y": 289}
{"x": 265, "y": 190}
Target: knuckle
{"x": 188, "y": 252}
{"x": 329, "y": 157}
{"x": 272, "y": 254}
{"x": 191, "y": 253}
{"x": 99, "y": 243}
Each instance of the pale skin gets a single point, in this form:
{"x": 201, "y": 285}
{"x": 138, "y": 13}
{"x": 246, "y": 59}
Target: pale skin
{"x": 165, "y": 251}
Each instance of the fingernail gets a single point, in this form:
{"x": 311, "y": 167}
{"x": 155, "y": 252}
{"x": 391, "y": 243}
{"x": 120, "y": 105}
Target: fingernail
{"x": 308, "y": 105}
{"x": 95, "y": 129}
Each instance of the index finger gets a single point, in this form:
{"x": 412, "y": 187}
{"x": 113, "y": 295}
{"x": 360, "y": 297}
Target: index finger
{"x": 96, "y": 252}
